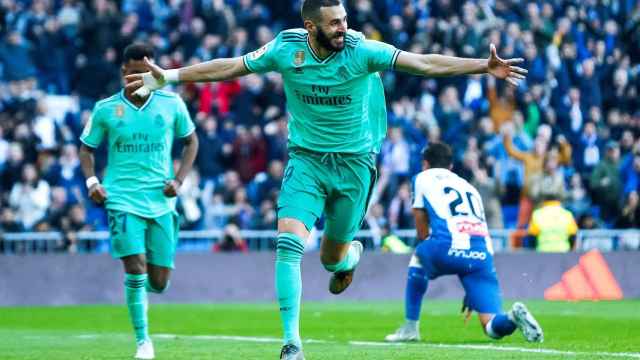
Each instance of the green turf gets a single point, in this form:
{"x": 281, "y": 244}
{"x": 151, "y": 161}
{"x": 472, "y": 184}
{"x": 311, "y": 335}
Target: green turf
{"x": 102, "y": 332}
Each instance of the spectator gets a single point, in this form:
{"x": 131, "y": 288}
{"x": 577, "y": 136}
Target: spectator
{"x": 630, "y": 215}
{"x": 71, "y": 225}
{"x": 213, "y": 154}
{"x": 501, "y": 108}
{"x": 30, "y": 197}
{"x": 11, "y": 169}
{"x": 266, "y": 218}
{"x": 553, "y": 227}
{"x": 231, "y": 241}
{"x": 15, "y": 56}
{"x": 400, "y": 210}
{"x": 395, "y": 159}
{"x": 533, "y": 165}
{"x": 490, "y": 191}
{"x": 578, "y": 201}
{"x": 588, "y": 149}
{"x": 606, "y": 184}
{"x": 550, "y": 179}
{"x": 242, "y": 212}
{"x": 56, "y": 212}
{"x": 267, "y": 185}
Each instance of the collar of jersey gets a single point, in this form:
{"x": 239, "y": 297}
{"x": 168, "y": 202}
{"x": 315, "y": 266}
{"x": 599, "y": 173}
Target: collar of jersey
{"x": 316, "y": 57}
{"x": 124, "y": 98}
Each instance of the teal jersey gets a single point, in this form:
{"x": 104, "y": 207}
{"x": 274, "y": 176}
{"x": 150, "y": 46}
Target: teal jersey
{"x": 140, "y": 142}
{"x": 377, "y": 112}
{"x": 336, "y": 102}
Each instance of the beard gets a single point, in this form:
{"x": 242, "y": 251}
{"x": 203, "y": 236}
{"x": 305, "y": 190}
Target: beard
{"x": 324, "y": 40}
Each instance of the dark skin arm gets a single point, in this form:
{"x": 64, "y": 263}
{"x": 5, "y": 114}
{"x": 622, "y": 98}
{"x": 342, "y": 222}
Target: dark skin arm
{"x": 422, "y": 223}
{"x": 87, "y": 162}
{"x": 188, "y": 157}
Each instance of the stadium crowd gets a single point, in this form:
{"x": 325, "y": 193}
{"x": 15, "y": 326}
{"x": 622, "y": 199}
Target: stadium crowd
{"x": 571, "y": 132}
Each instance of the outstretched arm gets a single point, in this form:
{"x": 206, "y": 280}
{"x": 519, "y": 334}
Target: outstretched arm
{"x": 213, "y": 70}
{"x": 441, "y": 65}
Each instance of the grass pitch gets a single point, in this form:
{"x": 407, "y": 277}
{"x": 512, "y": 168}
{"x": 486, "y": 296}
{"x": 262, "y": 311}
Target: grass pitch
{"x": 354, "y": 331}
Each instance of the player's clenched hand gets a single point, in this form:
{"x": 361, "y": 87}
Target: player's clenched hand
{"x": 505, "y": 69}
{"x": 142, "y": 84}
{"x": 171, "y": 188}
{"x": 97, "y": 194}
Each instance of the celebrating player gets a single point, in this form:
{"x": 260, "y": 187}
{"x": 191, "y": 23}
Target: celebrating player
{"x": 458, "y": 244}
{"x": 337, "y": 122}
{"x": 140, "y": 188}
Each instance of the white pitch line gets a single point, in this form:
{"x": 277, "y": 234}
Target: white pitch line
{"x": 257, "y": 339}
{"x": 500, "y": 348}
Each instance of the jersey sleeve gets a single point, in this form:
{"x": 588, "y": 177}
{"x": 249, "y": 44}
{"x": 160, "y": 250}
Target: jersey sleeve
{"x": 417, "y": 193}
{"x": 183, "y": 124}
{"x": 264, "y": 59}
{"x": 378, "y": 56}
{"x": 95, "y": 129}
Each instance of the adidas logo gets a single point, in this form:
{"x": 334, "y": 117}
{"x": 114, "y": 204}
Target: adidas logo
{"x": 591, "y": 279}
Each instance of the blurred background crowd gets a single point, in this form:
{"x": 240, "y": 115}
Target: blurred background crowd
{"x": 571, "y": 133}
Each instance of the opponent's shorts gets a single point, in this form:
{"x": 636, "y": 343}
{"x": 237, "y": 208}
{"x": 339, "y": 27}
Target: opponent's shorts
{"x": 338, "y": 184}
{"x": 474, "y": 268}
{"x": 156, "y": 237}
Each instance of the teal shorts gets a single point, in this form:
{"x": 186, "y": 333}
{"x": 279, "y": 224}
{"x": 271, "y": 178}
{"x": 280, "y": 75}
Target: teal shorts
{"x": 133, "y": 235}
{"x": 336, "y": 184}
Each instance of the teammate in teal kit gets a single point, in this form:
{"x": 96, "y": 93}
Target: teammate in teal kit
{"x": 139, "y": 190}
{"x": 337, "y": 122}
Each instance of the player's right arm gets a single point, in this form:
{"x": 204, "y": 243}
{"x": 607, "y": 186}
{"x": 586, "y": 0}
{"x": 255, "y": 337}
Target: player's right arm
{"x": 422, "y": 223}
{"x": 259, "y": 61}
{"x": 92, "y": 135}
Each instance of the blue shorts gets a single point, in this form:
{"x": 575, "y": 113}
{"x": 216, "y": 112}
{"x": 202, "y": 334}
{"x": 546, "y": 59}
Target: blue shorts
{"x": 474, "y": 268}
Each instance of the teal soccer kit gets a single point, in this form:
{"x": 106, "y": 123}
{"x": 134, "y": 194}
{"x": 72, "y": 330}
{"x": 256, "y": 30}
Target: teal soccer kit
{"x": 141, "y": 218}
{"x": 336, "y": 125}
{"x": 337, "y": 122}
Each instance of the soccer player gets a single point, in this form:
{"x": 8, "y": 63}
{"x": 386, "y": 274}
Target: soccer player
{"x": 140, "y": 188}
{"x": 450, "y": 222}
{"x": 337, "y": 122}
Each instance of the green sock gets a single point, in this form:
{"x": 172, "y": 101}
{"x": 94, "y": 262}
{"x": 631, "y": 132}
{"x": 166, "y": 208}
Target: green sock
{"x": 349, "y": 262}
{"x": 289, "y": 285}
{"x": 136, "y": 296}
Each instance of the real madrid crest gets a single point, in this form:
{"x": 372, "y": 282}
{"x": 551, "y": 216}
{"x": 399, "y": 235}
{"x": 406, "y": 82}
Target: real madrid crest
{"x": 298, "y": 58}
{"x": 119, "y": 111}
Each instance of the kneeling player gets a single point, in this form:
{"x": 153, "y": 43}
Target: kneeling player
{"x": 459, "y": 244}
{"x": 139, "y": 187}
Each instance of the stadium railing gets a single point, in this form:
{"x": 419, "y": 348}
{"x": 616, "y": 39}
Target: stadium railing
{"x": 263, "y": 240}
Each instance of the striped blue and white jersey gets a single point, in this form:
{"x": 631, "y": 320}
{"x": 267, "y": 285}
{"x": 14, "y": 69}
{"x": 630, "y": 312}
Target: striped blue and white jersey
{"x": 455, "y": 210}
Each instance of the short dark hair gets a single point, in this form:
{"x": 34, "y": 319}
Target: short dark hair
{"x": 137, "y": 51}
{"x": 438, "y": 155}
{"x": 311, "y": 8}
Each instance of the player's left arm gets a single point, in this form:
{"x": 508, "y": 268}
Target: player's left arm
{"x": 185, "y": 130}
{"x": 435, "y": 65}
{"x": 188, "y": 157}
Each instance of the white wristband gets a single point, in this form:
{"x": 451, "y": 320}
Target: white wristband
{"x": 172, "y": 76}
{"x": 92, "y": 181}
